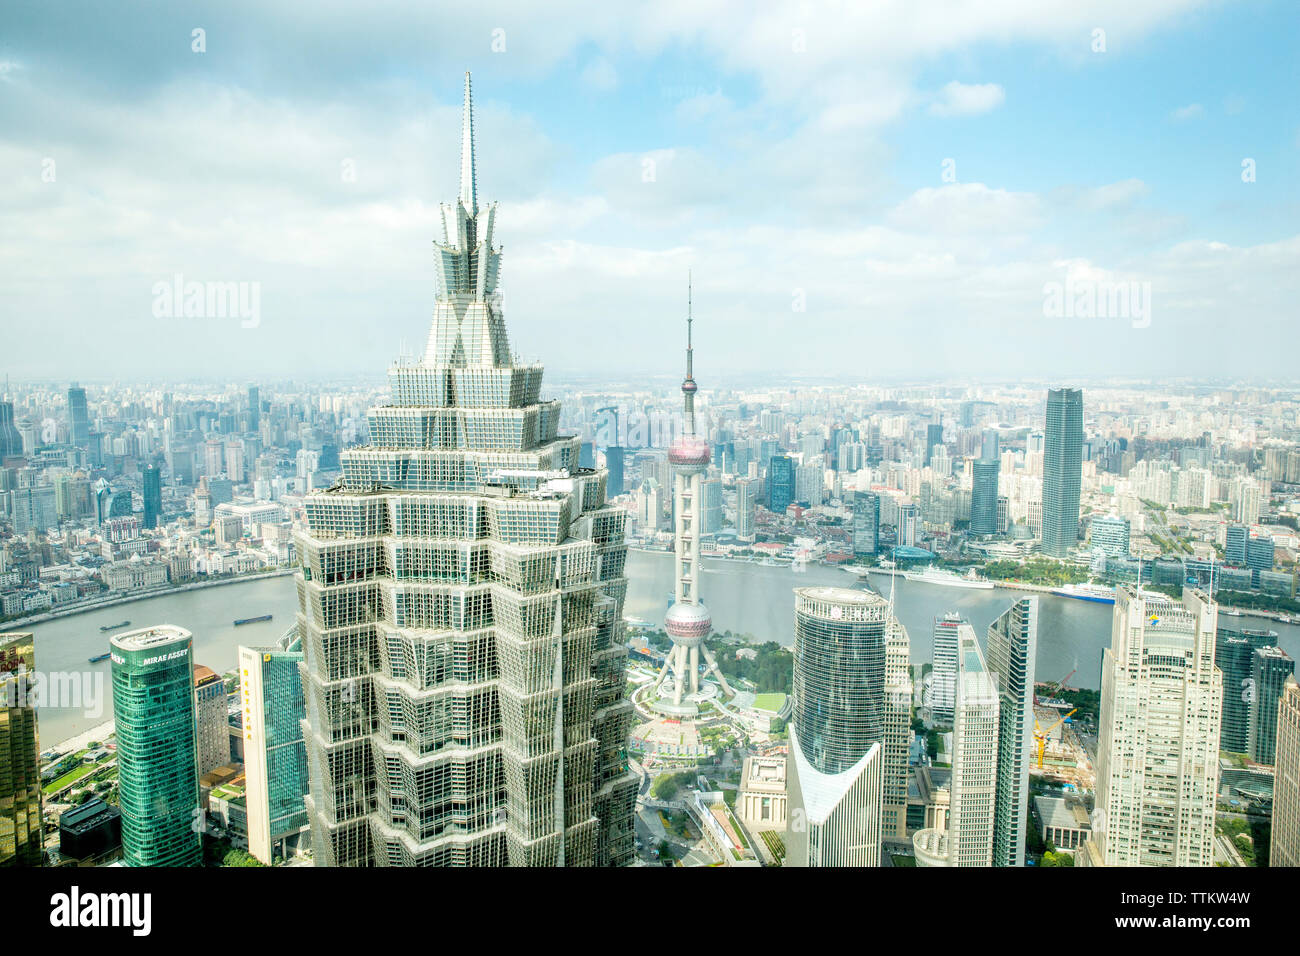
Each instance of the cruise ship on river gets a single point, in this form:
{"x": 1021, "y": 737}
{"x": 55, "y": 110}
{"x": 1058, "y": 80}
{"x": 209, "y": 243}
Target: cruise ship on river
{"x": 948, "y": 578}
{"x": 1097, "y": 593}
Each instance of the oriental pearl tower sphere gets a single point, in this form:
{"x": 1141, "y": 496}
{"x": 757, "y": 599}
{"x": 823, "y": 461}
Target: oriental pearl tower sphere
{"x": 688, "y": 621}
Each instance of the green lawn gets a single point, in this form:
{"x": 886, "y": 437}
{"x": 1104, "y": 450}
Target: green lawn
{"x": 769, "y": 702}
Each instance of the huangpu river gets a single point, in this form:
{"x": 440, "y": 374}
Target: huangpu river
{"x": 744, "y": 598}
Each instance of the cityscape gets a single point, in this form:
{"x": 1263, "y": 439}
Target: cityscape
{"x": 669, "y": 594}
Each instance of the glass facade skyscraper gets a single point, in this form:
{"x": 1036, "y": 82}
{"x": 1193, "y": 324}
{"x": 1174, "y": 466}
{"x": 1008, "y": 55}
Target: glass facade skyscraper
{"x": 984, "y": 496}
{"x": 21, "y": 832}
{"x": 1270, "y": 667}
{"x": 275, "y": 755}
{"x": 780, "y": 483}
{"x": 849, "y": 724}
{"x": 158, "y": 781}
{"x": 1234, "y": 654}
{"x": 78, "y": 417}
{"x": 1011, "y": 649}
{"x": 461, "y": 608}
{"x": 152, "y": 494}
{"x": 866, "y": 522}
{"x": 1062, "y": 470}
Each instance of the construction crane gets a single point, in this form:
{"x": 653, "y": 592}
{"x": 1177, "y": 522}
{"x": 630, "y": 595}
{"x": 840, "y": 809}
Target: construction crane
{"x": 1041, "y": 735}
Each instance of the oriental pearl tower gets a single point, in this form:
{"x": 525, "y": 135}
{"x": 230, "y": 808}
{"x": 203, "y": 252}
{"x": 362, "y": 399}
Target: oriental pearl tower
{"x": 688, "y": 622}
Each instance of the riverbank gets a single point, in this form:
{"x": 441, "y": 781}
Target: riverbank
{"x": 84, "y": 607}
{"x": 84, "y": 739}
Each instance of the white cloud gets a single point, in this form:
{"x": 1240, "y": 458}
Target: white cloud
{"x": 962, "y": 99}
{"x": 1190, "y": 112}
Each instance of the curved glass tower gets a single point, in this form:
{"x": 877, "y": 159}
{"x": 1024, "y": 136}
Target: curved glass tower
{"x": 158, "y": 780}
{"x": 461, "y": 608}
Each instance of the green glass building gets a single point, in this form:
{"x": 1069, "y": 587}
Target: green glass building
{"x": 153, "y": 707}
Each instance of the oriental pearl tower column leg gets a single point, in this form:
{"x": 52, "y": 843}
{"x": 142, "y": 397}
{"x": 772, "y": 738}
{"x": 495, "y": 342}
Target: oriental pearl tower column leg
{"x": 716, "y": 670}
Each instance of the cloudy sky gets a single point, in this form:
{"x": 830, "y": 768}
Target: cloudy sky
{"x": 893, "y": 190}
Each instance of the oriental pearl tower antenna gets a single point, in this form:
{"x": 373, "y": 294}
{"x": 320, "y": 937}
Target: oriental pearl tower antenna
{"x": 688, "y": 622}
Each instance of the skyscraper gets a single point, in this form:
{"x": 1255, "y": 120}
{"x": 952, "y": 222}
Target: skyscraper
{"x": 933, "y": 437}
{"x": 780, "y": 483}
{"x": 211, "y": 721}
{"x": 1012, "y": 648}
{"x": 78, "y": 417}
{"x": 1062, "y": 470}
{"x": 1234, "y": 655}
{"x": 254, "y": 408}
{"x": 984, "y": 496}
{"x": 866, "y": 522}
{"x": 840, "y": 724}
{"x": 1270, "y": 668}
{"x": 463, "y": 590}
{"x": 1158, "y": 745}
{"x": 1110, "y": 535}
{"x": 11, "y": 440}
{"x": 152, "y": 495}
{"x": 688, "y": 623}
{"x": 275, "y": 756}
{"x": 1284, "y": 846}
{"x": 746, "y": 494}
{"x": 943, "y": 667}
{"x": 21, "y": 831}
{"x": 974, "y": 758}
{"x": 908, "y": 516}
{"x": 158, "y": 781}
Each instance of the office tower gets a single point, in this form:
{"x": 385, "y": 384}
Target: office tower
{"x": 78, "y": 417}
{"x": 1284, "y": 847}
{"x": 984, "y": 497}
{"x": 235, "y": 460}
{"x": 989, "y": 445}
{"x": 1270, "y": 668}
{"x": 614, "y": 458}
{"x": 11, "y": 440}
{"x": 1234, "y": 548}
{"x": 1062, "y": 470}
{"x": 1246, "y": 500}
{"x": 158, "y": 781}
{"x": 275, "y": 755}
{"x": 1234, "y": 655}
{"x": 1259, "y": 556}
{"x": 711, "y": 517}
{"x": 688, "y": 623}
{"x": 1012, "y": 648}
{"x": 898, "y": 729}
{"x": 214, "y": 457}
{"x": 587, "y": 455}
{"x": 908, "y": 515}
{"x": 746, "y": 499}
{"x": 211, "y": 722}
{"x": 866, "y": 522}
{"x": 975, "y": 742}
{"x": 839, "y": 722}
{"x": 463, "y": 588}
{"x": 254, "y": 408}
{"x": 1110, "y": 535}
{"x": 780, "y": 483}
{"x": 152, "y": 495}
{"x": 1158, "y": 745}
{"x": 21, "y": 832}
{"x": 933, "y": 439}
{"x": 943, "y": 668}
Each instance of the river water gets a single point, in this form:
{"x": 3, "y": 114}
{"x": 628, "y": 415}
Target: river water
{"x": 744, "y": 598}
